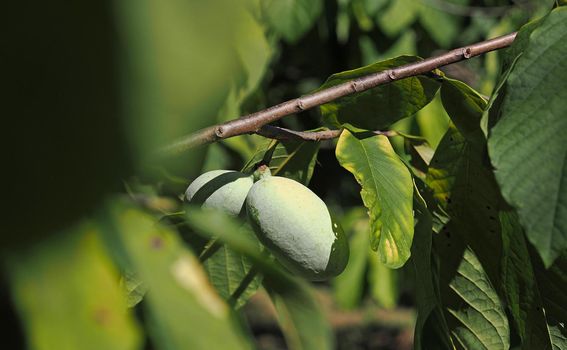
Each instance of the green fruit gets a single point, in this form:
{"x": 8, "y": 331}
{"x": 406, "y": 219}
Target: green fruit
{"x": 297, "y": 227}
{"x": 220, "y": 189}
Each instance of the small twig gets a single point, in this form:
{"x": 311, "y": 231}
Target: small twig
{"x": 253, "y": 122}
{"x": 277, "y": 133}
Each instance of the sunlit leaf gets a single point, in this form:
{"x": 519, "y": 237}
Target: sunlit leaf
{"x": 387, "y": 189}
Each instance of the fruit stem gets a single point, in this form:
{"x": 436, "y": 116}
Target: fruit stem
{"x": 262, "y": 172}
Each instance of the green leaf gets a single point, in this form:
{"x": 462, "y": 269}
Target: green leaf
{"x": 292, "y": 159}
{"x": 462, "y": 181}
{"x": 231, "y": 272}
{"x": 431, "y": 330}
{"x": 291, "y": 18}
{"x": 433, "y": 122}
{"x": 474, "y": 312}
{"x": 383, "y": 282}
{"x": 511, "y": 55}
{"x": 67, "y": 294}
{"x": 179, "y": 293}
{"x": 464, "y": 185}
{"x": 558, "y": 335}
{"x": 303, "y": 324}
{"x": 520, "y": 286}
{"x": 348, "y": 286}
{"x": 465, "y": 107}
{"x": 387, "y": 190}
{"x": 553, "y": 283}
{"x": 479, "y": 320}
{"x": 134, "y": 288}
{"x": 398, "y": 16}
{"x": 379, "y": 107}
{"x": 533, "y": 118}
{"x": 443, "y": 27}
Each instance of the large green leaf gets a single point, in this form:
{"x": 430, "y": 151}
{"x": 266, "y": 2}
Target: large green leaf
{"x": 67, "y": 294}
{"x": 521, "y": 289}
{"x": 303, "y": 324}
{"x": 476, "y": 317}
{"x": 183, "y": 309}
{"x": 231, "y": 273}
{"x": 387, "y": 190}
{"x": 291, "y": 18}
{"x": 348, "y": 287}
{"x": 292, "y": 159}
{"x": 462, "y": 182}
{"x": 493, "y": 111}
{"x": 379, "y": 107}
{"x": 527, "y": 146}
{"x": 431, "y": 330}
{"x": 465, "y": 187}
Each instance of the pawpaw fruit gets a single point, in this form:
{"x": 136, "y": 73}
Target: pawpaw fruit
{"x": 220, "y": 189}
{"x": 295, "y": 224}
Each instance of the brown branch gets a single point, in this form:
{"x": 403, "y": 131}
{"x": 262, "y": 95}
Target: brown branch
{"x": 277, "y": 133}
{"x": 252, "y": 123}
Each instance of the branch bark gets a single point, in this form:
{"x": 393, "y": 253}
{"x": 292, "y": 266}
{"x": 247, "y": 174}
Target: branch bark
{"x": 254, "y": 122}
{"x": 277, "y": 133}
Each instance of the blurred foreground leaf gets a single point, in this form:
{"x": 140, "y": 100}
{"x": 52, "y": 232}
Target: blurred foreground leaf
{"x": 183, "y": 309}
{"x": 291, "y": 18}
{"x": 67, "y": 293}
